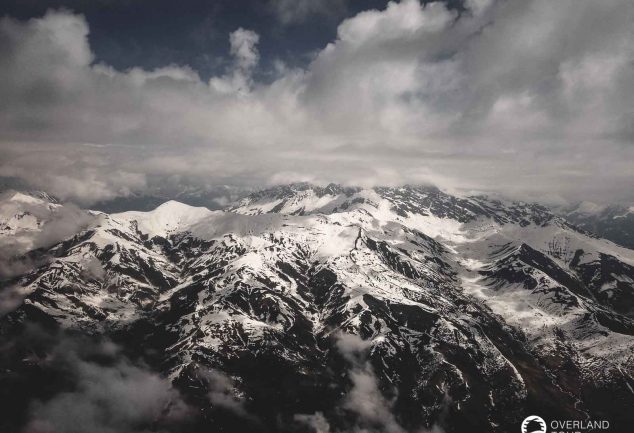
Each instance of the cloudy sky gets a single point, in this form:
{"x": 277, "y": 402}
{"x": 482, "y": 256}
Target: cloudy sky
{"x": 530, "y": 98}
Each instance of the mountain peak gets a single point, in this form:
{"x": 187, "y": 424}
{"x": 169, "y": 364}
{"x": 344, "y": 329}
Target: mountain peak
{"x": 29, "y": 197}
{"x": 166, "y": 218}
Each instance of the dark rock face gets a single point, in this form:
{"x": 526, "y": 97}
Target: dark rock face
{"x": 361, "y": 317}
{"x": 609, "y": 280}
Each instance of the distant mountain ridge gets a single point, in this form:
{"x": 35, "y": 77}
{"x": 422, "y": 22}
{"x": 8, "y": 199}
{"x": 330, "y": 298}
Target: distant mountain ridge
{"x": 613, "y": 222}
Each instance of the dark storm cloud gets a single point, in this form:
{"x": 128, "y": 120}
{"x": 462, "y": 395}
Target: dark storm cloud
{"x": 517, "y": 96}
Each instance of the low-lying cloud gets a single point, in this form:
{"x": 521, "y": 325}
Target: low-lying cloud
{"x": 516, "y": 96}
{"x": 102, "y": 391}
{"x": 222, "y": 392}
{"x": 317, "y": 422}
{"x": 52, "y": 224}
{"x": 113, "y": 399}
{"x": 375, "y": 413}
{"x": 365, "y": 399}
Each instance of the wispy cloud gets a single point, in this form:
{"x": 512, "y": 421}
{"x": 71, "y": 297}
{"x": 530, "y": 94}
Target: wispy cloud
{"x": 365, "y": 399}
{"x": 297, "y": 11}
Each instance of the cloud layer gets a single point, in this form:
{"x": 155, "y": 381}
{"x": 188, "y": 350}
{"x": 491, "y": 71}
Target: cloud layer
{"x": 521, "y": 97}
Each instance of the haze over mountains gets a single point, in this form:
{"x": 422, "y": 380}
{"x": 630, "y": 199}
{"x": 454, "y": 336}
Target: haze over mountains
{"x": 307, "y": 308}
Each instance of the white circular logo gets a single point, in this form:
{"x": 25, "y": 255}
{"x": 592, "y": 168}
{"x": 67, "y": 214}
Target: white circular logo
{"x": 533, "y": 424}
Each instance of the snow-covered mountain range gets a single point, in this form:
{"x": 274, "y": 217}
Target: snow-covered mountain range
{"x": 334, "y": 309}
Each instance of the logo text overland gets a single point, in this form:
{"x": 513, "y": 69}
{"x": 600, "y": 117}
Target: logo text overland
{"x": 536, "y": 424}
